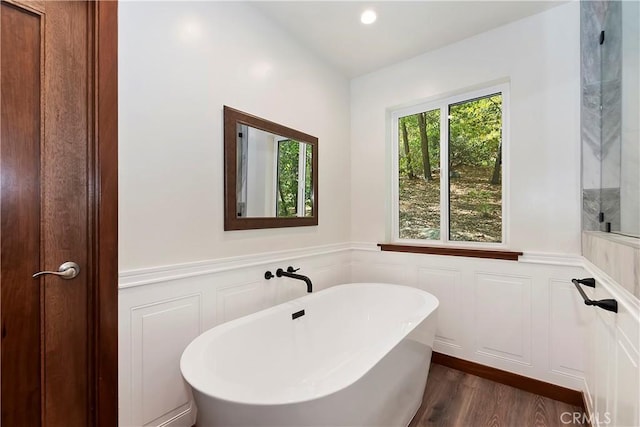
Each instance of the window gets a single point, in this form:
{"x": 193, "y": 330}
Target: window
{"x": 448, "y": 169}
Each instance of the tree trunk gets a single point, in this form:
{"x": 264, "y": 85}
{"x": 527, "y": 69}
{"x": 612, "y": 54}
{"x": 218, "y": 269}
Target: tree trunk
{"x": 284, "y": 207}
{"x": 424, "y": 144}
{"x": 495, "y": 178}
{"x": 407, "y": 153}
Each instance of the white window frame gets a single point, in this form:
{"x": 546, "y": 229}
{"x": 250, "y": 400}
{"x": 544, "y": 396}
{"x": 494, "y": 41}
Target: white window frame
{"x": 276, "y": 153}
{"x": 443, "y": 103}
{"x": 302, "y": 174}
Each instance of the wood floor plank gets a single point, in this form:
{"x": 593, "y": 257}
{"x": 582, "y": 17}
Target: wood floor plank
{"x": 456, "y": 399}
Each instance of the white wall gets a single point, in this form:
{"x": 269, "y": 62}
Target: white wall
{"x": 540, "y": 55}
{"x": 179, "y": 63}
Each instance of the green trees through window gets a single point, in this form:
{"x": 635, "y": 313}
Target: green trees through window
{"x": 419, "y": 169}
{"x": 472, "y": 196}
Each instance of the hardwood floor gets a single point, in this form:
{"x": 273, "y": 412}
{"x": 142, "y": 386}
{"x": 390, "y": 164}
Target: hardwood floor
{"x": 454, "y": 398}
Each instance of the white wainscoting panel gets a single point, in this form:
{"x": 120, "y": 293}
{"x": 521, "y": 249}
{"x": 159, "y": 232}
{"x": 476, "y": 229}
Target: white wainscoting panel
{"x": 613, "y": 378}
{"x": 502, "y": 321}
{"x": 382, "y": 272}
{"x": 497, "y": 313}
{"x": 524, "y": 317}
{"x": 568, "y": 324}
{"x": 156, "y": 359}
{"x": 161, "y": 310}
{"x": 604, "y": 356}
{"x": 447, "y": 285}
{"x": 239, "y": 300}
{"x": 627, "y": 408}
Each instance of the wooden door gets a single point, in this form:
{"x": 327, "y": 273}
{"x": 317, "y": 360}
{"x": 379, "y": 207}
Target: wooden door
{"x": 58, "y": 203}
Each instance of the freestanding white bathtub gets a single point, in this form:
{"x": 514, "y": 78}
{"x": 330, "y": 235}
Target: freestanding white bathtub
{"x": 359, "y": 356}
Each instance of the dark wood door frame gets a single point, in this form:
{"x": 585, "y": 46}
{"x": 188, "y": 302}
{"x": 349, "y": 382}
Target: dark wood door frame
{"x": 105, "y": 213}
{"x": 102, "y": 179}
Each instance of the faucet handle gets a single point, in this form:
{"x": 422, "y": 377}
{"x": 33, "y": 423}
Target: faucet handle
{"x": 292, "y": 270}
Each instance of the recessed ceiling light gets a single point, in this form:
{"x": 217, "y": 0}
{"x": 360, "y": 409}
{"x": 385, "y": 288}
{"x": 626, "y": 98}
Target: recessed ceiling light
{"x": 368, "y": 17}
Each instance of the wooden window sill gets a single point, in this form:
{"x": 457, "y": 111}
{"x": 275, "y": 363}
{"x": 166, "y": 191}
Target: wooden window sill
{"x": 464, "y": 252}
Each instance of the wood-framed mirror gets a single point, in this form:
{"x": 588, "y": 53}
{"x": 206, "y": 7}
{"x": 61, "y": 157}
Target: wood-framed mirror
{"x": 270, "y": 174}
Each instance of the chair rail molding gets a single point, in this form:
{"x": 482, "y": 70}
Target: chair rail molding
{"x": 619, "y": 293}
{"x": 151, "y": 275}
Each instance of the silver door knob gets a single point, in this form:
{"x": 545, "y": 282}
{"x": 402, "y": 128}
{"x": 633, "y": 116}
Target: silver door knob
{"x": 67, "y": 270}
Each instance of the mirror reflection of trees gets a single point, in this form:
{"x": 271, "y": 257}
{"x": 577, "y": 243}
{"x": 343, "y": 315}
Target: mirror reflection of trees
{"x": 288, "y": 179}
{"x": 475, "y": 159}
{"x": 288, "y": 155}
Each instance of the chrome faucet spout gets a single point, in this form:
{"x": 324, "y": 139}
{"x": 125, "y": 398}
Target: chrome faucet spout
{"x": 280, "y": 272}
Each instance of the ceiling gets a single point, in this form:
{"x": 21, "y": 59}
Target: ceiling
{"x": 404, "y": 29}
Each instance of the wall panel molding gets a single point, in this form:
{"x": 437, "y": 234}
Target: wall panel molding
{"x": 447, "y": 284}
{"x": 502, "y": 321}
{"x": 561, "y": 329}
{"x": 238, "y": 300}
{"x": 155, "y": 359}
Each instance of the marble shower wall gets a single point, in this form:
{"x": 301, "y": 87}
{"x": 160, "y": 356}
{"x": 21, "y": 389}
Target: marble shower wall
{"x": 601, "y": 112}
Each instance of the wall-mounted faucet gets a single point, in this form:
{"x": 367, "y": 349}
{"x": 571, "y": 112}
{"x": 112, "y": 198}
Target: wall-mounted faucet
{"x": 291, "y": 273}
